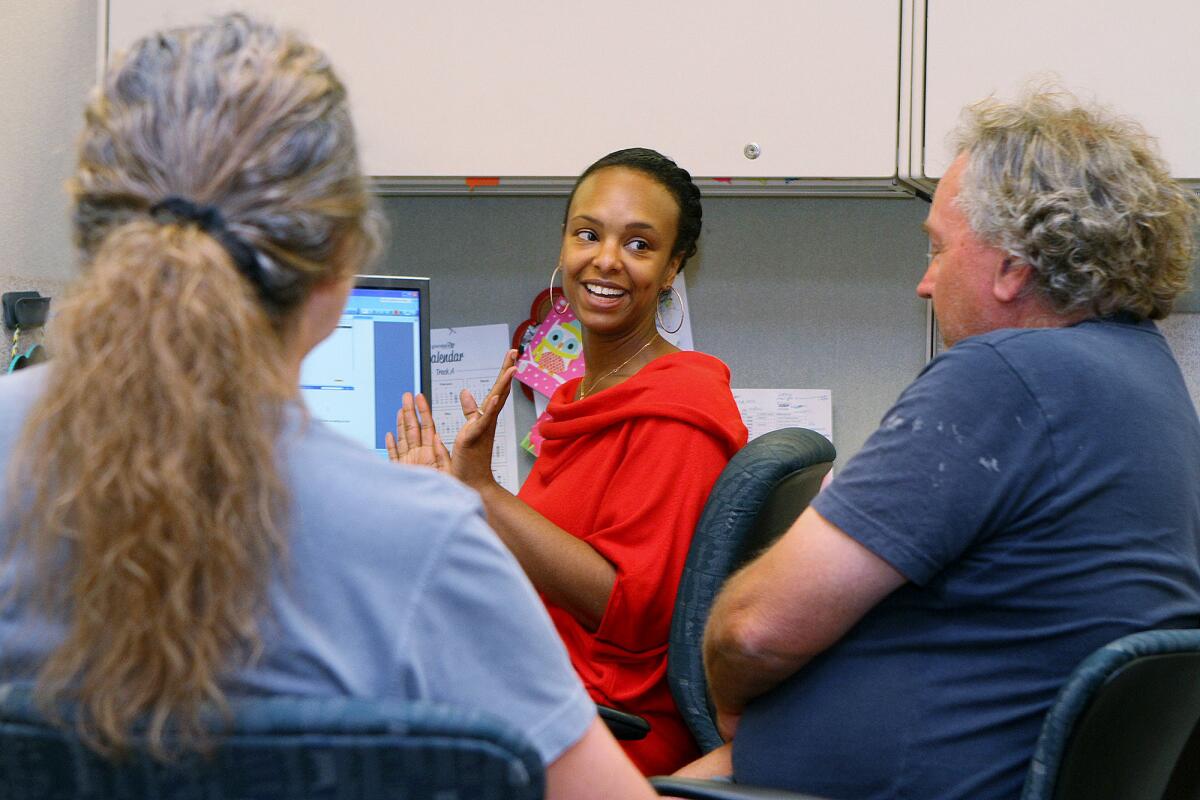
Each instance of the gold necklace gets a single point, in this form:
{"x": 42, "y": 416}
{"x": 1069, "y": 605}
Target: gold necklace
{"x": 585, "y": 392}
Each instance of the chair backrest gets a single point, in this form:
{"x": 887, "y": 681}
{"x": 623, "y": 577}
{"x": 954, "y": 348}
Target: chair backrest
{"x": 282, "y": 747}
{"x": 757, "y": 497}
{"x": 1120, "y": 722}
{"x": 1185, "y": 780}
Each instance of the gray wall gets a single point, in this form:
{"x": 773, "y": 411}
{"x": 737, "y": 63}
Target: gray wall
{"x": 790, "y": 292}
{"x": 48, "y": 63}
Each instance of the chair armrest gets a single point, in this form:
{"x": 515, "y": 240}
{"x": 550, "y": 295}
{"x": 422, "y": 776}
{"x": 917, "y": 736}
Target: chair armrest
{"x": 694, "y": 789}
{"x": 624, "y": 726}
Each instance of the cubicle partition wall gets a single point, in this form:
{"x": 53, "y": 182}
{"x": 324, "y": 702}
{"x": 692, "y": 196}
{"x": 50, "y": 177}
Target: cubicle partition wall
{"x": 790, "y": 292}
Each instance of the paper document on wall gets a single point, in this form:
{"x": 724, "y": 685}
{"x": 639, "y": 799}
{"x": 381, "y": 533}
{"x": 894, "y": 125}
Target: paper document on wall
{"x": 470, "y": 358}
{"x": 765, "y": 410}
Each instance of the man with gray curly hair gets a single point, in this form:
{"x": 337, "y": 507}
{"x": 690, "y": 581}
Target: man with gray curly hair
{"x": 1078, "y": 208}
{"x": 1032, "y": 496}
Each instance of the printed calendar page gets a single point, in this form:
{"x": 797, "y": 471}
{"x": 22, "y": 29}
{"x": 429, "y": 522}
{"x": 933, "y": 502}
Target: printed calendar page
{"x": 469, "y": 358}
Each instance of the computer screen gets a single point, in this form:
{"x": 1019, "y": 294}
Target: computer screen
{"x": 354, "y": 380}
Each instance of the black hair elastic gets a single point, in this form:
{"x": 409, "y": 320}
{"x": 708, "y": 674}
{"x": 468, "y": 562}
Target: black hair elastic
{"x": 173, "y": 209}
{"x": 248, "y": 259}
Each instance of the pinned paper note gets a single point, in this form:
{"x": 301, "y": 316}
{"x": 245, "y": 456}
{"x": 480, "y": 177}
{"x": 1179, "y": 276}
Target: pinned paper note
{"x": 765, "y": 410}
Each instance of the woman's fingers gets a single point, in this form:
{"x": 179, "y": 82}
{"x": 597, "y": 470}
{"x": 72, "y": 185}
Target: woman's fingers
{"x": 473, "y": 416}
{"x": 427, "y": 429}
{"x": 509, "y": 374}
{"x": 416, "y": 440}
{"x": 504, "y": 378}
{"x": 478, "y": 416}
{"x": 470, "y": 407}
{"x": 397, "y": 445}
{"x": 441, "y": 454}
{"x": 409, "y": 425}
{"x": 503, "y": 384}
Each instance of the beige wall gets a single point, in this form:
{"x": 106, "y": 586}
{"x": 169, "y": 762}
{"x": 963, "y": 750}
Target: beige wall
{"x": 48, "y": 63}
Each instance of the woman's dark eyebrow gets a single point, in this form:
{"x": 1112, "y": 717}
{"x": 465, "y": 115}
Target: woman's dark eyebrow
{"x": 594, "y": 221}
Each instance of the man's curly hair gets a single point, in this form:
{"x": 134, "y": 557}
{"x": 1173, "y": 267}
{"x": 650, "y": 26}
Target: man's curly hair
{"x": 1084, "y": 198}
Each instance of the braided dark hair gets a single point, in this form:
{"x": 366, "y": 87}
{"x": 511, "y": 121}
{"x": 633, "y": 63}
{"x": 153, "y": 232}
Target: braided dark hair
{"x": 674, "y": 178}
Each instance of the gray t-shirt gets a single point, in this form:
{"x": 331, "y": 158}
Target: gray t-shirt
{"x": 394, "y": 588}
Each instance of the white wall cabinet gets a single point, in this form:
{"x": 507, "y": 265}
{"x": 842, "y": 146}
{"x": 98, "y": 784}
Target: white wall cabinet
{"x": 1139, "y": 58}
{"x": 544, "y": 87}
{"x": 835, "y": 96}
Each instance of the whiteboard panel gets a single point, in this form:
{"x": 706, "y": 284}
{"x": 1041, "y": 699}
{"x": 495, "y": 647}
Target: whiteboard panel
{"x": 544, "y": 87}
{"x": 1138, "y": 58}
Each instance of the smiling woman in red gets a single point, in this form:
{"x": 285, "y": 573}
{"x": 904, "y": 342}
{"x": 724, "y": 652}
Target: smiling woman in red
{"x": 603, "y": 523}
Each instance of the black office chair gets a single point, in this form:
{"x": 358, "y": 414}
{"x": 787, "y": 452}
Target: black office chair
{"x": 758, "y": 495}
{"x": 1185, "y": 780}
{"x": 1123, "y": 727}
{"x": 283, "y": 748}
{"x": 1121, "y": 721}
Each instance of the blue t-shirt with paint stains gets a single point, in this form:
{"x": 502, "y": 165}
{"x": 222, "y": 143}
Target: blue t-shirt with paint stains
{"x": 1040, "y": 489}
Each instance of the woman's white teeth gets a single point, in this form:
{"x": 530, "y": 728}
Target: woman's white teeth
{"x": 604, "y": 291}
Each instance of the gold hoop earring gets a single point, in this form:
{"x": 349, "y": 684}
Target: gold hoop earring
{"x": 658, "y": 311}
{"x": 552, "y": 274}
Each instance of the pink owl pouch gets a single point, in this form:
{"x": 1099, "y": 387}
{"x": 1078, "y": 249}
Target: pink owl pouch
{"x": 554, "y": 354}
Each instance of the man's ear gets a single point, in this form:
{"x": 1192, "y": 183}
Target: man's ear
{"x": 1010, "y": 279}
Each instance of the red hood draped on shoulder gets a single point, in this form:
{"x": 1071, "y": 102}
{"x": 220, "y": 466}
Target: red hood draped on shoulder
{"x": 688, "y": 387}
{"x": 628, "y": 470}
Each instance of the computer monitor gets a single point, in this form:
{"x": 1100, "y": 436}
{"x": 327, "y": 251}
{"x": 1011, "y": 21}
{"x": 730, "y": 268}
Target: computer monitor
{"x": 354, "y": 380}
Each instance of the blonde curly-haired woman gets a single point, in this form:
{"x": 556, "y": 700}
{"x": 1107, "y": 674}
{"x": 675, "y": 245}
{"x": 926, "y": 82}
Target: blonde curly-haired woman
{"x": 177, "y": 532}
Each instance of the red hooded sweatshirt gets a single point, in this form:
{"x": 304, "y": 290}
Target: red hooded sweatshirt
{"x": 628, "y": 470}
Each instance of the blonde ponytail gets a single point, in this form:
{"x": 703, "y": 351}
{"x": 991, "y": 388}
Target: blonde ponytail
{"x": 159, "y": 426}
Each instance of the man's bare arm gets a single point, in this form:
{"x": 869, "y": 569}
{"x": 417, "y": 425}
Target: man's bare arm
{"x": 792, "y": 602}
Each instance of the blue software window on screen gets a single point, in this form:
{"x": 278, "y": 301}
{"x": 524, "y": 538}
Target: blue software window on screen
{"x": 355, "y": 379}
